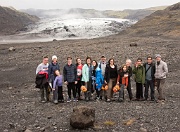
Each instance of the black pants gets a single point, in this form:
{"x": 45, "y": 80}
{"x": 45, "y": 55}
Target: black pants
{"x": 58, "y": 93}
{"x": 149, "y": 83}
{"x": 78, "y": 88}
{"x": 129, "y": 90}
{"x": 71, "y": 86}
{"x": 139, "y": 90}
{"x": 45, "y": 92}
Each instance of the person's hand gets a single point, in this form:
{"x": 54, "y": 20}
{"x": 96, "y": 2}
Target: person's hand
{"x": 53, "y": 89}
{"x": 96, "y": 84}
{"x": 117, "y": 83}
{"x": 125, "y": 86}
{"x": 66, "y": 82}
{"x": 75, "y": 82}
{"x": 105, "y": 82}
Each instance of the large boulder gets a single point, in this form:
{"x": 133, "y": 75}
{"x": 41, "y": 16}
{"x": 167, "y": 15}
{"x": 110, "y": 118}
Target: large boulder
{"x": 82, "y": 117}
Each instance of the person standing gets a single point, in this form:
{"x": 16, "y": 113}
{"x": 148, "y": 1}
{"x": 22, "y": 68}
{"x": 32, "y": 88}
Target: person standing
{"x": 86, "y": 78}
{"x": 57, "y": 88}
{"x": 42, "y": 69}
{"x": 70, "y": 78}
{"x": 53, "y": 66}
{"x": 160, "y": 75}
{"x": 149, "y": 78}
{"x": 98, "y": 80}
{"x": 102, "y": 65}
{"x": 110, "y": 78}
{"x": 139, "y": 72}
{"x": 129, "y": 70}
{"x": 79, "y": 66}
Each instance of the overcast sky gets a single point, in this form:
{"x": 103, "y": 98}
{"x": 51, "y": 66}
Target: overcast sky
{"x": 87, "y": 4}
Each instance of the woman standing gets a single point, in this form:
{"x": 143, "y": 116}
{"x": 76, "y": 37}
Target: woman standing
{"x": 97, "y": 78}
{"x": 111, "y": 75}
{"x": 79, "y": 66}
{"x": 86, "y": 78}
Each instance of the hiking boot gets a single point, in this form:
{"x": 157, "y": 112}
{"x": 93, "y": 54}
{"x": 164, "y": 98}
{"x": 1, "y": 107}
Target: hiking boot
{"x": 55, "y": 102}
{"x": 69, "y": 100}
{"x": 108, "y": 100}
{"x": 75, "y": 100}
{"x": 120, "y": 100}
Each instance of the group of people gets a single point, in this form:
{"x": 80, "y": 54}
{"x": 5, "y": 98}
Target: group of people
{"x": 95, "y": 75}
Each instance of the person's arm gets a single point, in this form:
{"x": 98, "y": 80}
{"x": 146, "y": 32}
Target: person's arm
{"x": 130, "y": 72}
{"x": 38, "y": 69}
{"x": 54, "y": 84}
{"x": 134, "y": 70}
{"x": 165, "y": 68}
{"x": 106, "y": 74}
{"x": 143, "y": 75}
{"x": 75, "y": 73}
{"x": 65, "y": 74}
{"x": 49, "y": 72}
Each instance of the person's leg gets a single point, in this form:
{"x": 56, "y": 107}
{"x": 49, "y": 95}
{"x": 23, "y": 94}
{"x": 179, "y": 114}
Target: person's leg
{"x": 60, "y": 94}
{"x": 69, "y": 91}
{"x": 86, "y": 93}
{"x": 42, "y": 94}
{"x": 109, "y": 89}
{"x": 79, "y": 88}
{"x": 129, "y": 90}
{"x": 137, "y": 91}
{"x": 73, "y": 89}
{"x": 161, "y": 86}
{"x": 146, "y": 89}
{"x": 141, "y": 90}
{"x": 47, "y": 92}
{"x": 121, "y": 93}
{"x": 158, "y": 84}
{"x": 151, "y": 83}
{"x": 114, "y": 81}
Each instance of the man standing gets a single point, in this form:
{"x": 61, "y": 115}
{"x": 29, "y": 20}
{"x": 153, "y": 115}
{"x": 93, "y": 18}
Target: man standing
{"x": 160, "y": 75}
{"x": 70, "y": 78}
{"x": 102, "y": 65}
{"x": 42, "y": 76}
{"x": 139, "y": 72}
{"x": 149, "y": 78}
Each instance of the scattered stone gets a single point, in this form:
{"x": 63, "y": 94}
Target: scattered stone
{"x": 12, "y": 49}
{"x": 27, "y": 130}
{"x": 138, "y": 107}
{"x": 54, "y": 39}
{"x": 82, "y": 117}
{"x": 11, "y": 126}
{"x": 142, "y": 130}
{"x": 133, "y": 45}
{"x": 42, "y": 129}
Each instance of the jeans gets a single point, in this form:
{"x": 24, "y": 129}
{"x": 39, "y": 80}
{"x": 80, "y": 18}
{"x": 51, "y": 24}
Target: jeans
{"x": 139, "y": 90}
{"x": 87, "y": 94}
{"x": 149, "y": 83}
{"x": 160, "y": 86}
{"x": 44, "y": 91}
{"x": 58, "y": 93}
{"x": 71, "y": 87}
{"x": 121, "y": 91}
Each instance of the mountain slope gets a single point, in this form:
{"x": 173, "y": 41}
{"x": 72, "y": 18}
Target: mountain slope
{"x": 160, "y": 23}
{"x": 12, "y": 20}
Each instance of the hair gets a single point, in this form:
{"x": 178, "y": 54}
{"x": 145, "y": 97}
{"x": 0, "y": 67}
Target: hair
{"x": 139, "y": 59}
{"x": 110, "y": 60}
{"x": 69, "y": 58}
{"x": 87, "y": 59}
{"x": 55, "y": 71}
{"x": 103, "y": 56}
{"x": 96, "y": 64}
{"x": 149, "y": 57}
{"x": 44, "y": 57}
{"x": 77, "y": 61}
{"x": 128, "y": 60}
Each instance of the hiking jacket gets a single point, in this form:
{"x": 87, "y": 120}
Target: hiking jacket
{"x": 161, "y": 70}
{"x": 139, "y": 74}
{"x": 70, "y": 73}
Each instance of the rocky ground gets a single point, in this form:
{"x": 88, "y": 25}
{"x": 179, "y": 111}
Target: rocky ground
{"x": 19, "y": 100}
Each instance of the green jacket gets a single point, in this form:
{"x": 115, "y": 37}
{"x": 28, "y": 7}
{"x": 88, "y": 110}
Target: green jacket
{"x": 139, "y": 74}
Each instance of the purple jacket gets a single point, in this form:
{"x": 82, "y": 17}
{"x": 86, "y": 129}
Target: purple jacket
{"x": 58, "y": 81}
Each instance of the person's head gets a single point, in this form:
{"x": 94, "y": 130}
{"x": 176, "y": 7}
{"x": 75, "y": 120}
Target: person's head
{"x": 149, "y": 59}
{"x": 94, "y": 64}
{"x": 54, "y": 58}
{"x": 128, "y": 62}
{"x": 139, "y": 61}
{"x": 57, "y": 72}
{"x": 69, "y": 60}
{"x": 103, "y": 59}
{"x": 88, "y": 60}
{"x": 78, "y": 61}
{"x": 124, "y": 67}
{"x": 45, "y": 60}
{"x": 111, "y": 61}
{"x": 158, "y": 57}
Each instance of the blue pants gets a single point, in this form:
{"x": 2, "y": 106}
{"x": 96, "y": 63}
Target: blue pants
{"x": 149, "y": 83}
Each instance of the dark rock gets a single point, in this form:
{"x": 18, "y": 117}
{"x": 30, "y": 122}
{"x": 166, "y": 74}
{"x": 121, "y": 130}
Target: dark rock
{"x": 133, "y": 44}
{"x": 82, "y": 117}
{"x": 54, "y": 39}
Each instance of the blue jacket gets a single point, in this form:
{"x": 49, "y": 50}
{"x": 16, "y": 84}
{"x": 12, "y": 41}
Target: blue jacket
{"x": 51, "y": 69}
{"x": 99, "y": 78}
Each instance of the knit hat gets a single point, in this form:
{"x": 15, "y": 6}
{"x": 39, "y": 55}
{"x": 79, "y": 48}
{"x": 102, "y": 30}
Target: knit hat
{"x": 158, "y": 55}
{"x": 54, "y": 57}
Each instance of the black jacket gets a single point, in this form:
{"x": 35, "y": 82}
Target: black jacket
{"x": 70, "y": 73}
{"x": 107, "y": 73}
{"x": 41, "y": 81}
{"x": 153, "y": 70}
